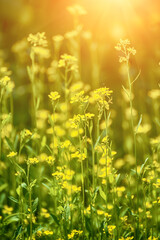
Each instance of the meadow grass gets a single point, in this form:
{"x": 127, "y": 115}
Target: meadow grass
{"x": 62, "y": 176}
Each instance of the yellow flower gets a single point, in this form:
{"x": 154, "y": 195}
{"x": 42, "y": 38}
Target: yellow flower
{"x": 32, "y": 160}
{"x": 47, "y": 232}
{"x": 12, "y": 154}
{"x": 124, "y": 47}
{"x": 111, "y": 229}
{"x": 100, "y": 212}
{"x": 79, "y": 97}
{"x": 4, "y": 81}
{"x": 69, "y": 62}
{"x": 54, "y": 96}
{"x": 74, "y": 233}
{"x": 7, "y": 210}
{"x": 102, "y": 97}
{"x": 44, "y": 213}
{"x": 38, "y": 39}
{"x": 152, "y": 238}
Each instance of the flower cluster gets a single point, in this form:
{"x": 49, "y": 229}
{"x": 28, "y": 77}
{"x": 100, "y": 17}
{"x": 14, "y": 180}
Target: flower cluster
{"x": 68, "y": 62}
{"x": 79, "y": 98}
{"x": 78, "y": 119}
{"x": 54, "y": 96}
{"x": 31, "y": 161}
{"x": 12, "y": 154}
{"x": 38, "y": 39}
{"x": 124, "y": 47}
{"x": 74, "y": 233}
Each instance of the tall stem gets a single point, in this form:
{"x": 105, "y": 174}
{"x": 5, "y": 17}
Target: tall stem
{"x": 106, "y": 123}
{"x": 30, "y": 199}
{"x": 134, "y": 140}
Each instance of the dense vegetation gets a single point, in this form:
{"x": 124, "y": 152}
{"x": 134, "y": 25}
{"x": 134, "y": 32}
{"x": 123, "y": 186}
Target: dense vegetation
{"x": 77, "y": 159}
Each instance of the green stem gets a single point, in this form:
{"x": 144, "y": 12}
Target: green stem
{"x": 30, "y": 198}
{"x": 82, "y": 180}
{"x": 134, "y": 140}
{"x": 106, "y": 123}
{"x": 93, "y": 160}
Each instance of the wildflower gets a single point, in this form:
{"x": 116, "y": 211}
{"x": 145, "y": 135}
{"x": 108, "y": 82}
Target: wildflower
{"x": 66, "y": 144}
{"x": 74, "y": 233}
{"x": 107, "y": 215}
{"x": 124, "y": 47}
{"x": 87, "y": 210}
{"x": 127, "y": 238}
{"x": 32, "y": 161}
{"x": 7, "y": 210}
{"x": 79, "y": 97}
{"x": 54, "y": 96}
{"x": 58, "y": 175}
{"x": 111, "y": 229}
{"x": 157, "y": 184}
{"x": 47, "y": 232}
{"x": 4, "y": 81}
{"x": 44, "y": 213}
{"x": 102, "y": 97}
{"x": 26, "y": 133}
{"x": 152, "y": 238}
{"x": 17, "y": 173}
{"x": 38, "y": 39}
{"x": 39, "y": 233}
{"x": 12, "y": 154}
{"x": 78, "y": 119}
{"x": 80, "y": 156}
{"x": 157, "y": 201}
{"x": 60, "y": 132}
{"x": 124, "y": 219}
{"x": 69, "y": 62}
{"x": 50, "y": 160}
{"x": 100, "y": 212}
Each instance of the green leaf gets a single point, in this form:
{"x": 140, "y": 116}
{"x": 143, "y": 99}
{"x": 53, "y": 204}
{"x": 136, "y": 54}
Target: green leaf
{"x": 35, "y": 204}
{"x": 140, "y": 120}
{"x": 30, "y": 149}
{"x": 67, "y": 212}
{"x": 46, "y": 186}
{"x": 13, "y": 199}
{"x": 3, "y": 186}
{"x": 17, "y": 232}
{"x": 11, "y": 218}
{"x": 38, "y": 103}
{"x": 143, "y": 166}
{"x": 55, "y": 219}
{"x": 124, "y": 211}
{"x": 88, "y": 224}
{"x": 102, "y": 194}
{"x": 18, "y": 190}
{"x": 24, "y": 185}
{"x": 118, "y": 178}
{"x": 32, "y": 184}
{"x": 9, "y": 143}
{"x": 6, "y": 120}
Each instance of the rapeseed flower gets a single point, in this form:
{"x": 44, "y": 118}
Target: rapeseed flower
{"x": 12, "y": 154}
